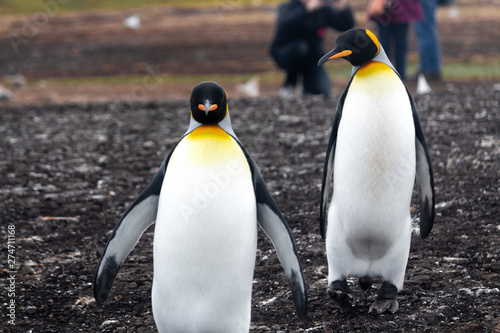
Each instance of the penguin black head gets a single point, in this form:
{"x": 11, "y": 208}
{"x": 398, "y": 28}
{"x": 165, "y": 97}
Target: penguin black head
{"x": 208, "y": 103}
{"x": 358, "y": 46}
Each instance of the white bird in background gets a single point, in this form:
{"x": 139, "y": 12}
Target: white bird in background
{"x": 5, "y": 94}
{"x": 133, "y": 22}
{"x": 16, "y": 80}
{"x": 251, "y": 88}
{"x": 454, "y": 12}
{"x": 422, "y": 85}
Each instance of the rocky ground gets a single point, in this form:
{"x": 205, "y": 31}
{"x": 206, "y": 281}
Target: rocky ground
{"x": 69, "y": 171}
{"x": 74, "y": 158}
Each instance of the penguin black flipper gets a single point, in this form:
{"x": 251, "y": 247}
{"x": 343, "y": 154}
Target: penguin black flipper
{"x": 138, "y": 217}
{"x": 276, "y": 228}
{"x": 425, "y": 178}
{"x": 328, "y": 167}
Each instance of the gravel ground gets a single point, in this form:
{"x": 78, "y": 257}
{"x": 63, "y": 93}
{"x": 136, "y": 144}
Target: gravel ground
{"x": 70, "y": 171}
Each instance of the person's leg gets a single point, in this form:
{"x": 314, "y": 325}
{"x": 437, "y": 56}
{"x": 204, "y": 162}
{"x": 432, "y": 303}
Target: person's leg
{"x": 427, "y": 38}
{"x": 400, "y": 32}
{"x": 316, "y": 80}
{"x": 291, "y": 58}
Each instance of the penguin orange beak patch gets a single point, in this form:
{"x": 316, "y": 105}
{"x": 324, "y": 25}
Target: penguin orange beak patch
{"x": 207, "y": 108}
{"x": 211, "y": 108}
{"x": 327, "y": 56}
{"x": 341, "y": 54}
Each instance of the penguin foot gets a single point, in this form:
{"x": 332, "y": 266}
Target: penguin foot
{"x": 383, "y": 305}
{"x": 386, "y": 299}
{"x": 339, "y": 292}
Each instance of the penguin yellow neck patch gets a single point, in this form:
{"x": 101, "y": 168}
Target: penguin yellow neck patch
{"x": 209, "y": 145}
{"x": 375, "y": 79}
{"x": 209, "y": 132}
{"x": 373, "y": 67}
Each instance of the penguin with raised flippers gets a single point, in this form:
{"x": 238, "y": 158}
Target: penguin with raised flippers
{"x": 207, "y": 198}
{"x": 376, "y": 148}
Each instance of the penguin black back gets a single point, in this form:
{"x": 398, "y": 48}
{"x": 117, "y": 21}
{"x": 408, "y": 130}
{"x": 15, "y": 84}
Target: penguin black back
{"x": 208, "y": 103}
{"x": 358, "y": 46}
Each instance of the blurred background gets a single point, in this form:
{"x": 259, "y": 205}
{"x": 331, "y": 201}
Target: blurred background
{"x": 62, "y": 51}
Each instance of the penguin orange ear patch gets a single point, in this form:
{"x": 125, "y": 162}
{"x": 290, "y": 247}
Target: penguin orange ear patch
{"x": 212, "y": 107}
{"x": 374, "y": 39}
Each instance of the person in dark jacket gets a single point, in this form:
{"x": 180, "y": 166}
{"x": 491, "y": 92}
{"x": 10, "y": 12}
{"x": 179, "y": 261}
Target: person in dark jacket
{"x": 297, "y": 44}
{"x": 393, "y": 18}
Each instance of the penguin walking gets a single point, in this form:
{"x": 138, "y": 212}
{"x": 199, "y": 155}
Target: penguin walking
{"x": 206, "y": 199}
{"x": 375, "y": 149}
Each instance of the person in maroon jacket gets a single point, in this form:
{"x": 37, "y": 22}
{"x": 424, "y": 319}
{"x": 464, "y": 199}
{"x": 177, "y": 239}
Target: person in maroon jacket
{"x": 297, "y": 44}
{"x": 393, "y": 18}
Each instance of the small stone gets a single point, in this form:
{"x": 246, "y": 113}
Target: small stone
{"x": 109, "y": 322}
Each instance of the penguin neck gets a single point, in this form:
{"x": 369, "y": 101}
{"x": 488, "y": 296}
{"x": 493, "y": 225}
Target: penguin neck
{"x": 383, "y": 58}
{"x": 380, "y": 57}
{"x": 225, "y": 124}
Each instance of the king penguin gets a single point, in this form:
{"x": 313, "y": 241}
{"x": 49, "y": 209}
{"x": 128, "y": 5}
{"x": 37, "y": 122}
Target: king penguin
{"x": 207, "y": 198}
{"x": 376, "y": 148}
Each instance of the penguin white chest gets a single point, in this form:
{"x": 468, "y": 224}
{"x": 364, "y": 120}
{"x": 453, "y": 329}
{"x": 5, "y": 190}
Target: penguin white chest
{"x": 374, "y": 166}
{"x": 205, "y": 236}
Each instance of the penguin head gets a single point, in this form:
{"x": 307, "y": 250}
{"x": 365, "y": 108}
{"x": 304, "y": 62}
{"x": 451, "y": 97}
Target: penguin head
{"x": 208, "y": 103}
{"x": 358, "y": 46}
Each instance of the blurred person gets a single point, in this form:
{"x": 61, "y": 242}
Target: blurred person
{"x": 428, "y": 43}
{"x": 393, "y": 18}
{"x": 298, "y": 42}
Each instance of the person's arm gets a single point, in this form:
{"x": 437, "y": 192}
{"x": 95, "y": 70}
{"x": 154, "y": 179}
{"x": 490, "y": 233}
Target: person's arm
{"x": 375, "y": 7}
{"x": 340, "y": 16}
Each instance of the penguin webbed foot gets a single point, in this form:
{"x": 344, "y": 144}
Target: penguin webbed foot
{"x": 339, "y": 292}
{"x": 383, "y": 305}
{"x": 386, "y": 299}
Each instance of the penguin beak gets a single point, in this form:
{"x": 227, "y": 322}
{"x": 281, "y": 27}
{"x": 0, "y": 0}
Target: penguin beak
{"x": 334, "y": 54}
{"x": 207, "y": 107}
